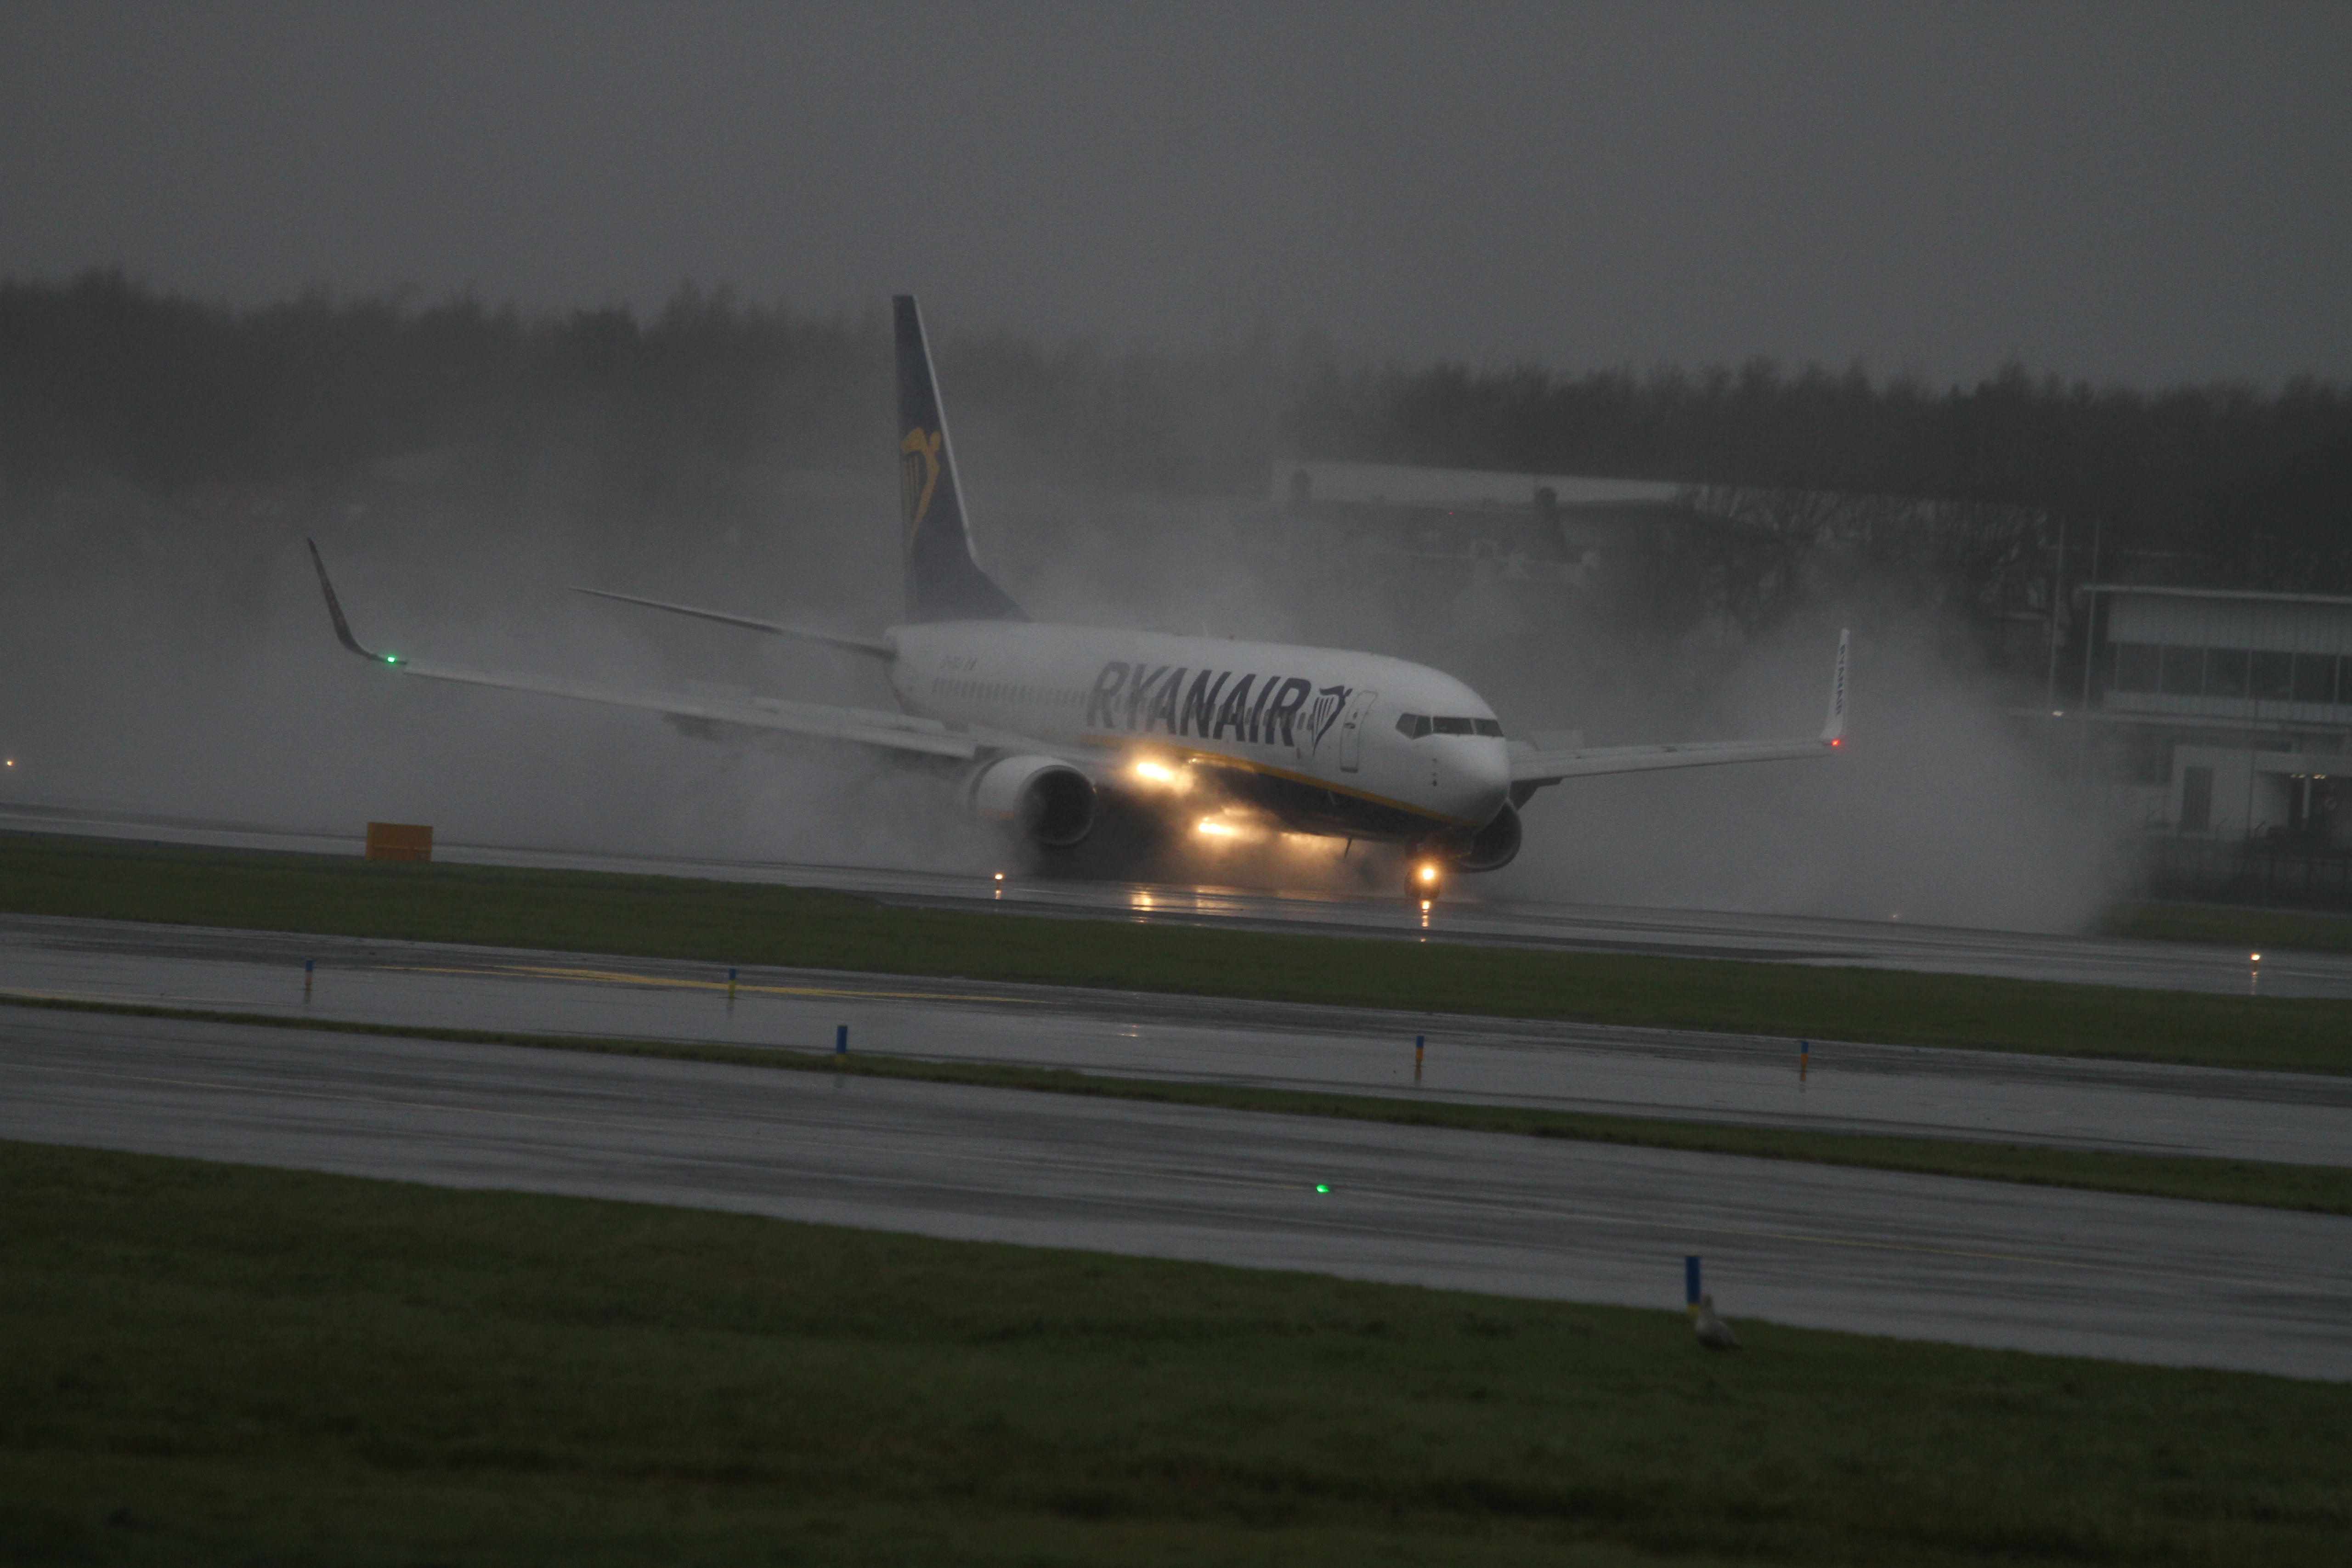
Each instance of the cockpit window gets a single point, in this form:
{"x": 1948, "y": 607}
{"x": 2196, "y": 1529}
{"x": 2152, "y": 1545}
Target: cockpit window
{"x": 1413, "y": 726}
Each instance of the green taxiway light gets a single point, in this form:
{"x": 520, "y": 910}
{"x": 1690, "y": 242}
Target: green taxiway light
{"x": 1322, "y": 1187}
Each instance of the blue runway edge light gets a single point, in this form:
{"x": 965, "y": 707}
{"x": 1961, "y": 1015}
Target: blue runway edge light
{"x": 1690, "y": 1281}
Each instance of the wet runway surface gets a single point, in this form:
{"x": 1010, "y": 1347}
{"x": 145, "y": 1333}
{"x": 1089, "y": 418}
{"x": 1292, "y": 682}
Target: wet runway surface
{"x": 2036, "y": 1268}
{"x": 2068, "y": 1103}
{"x": 1462, "y": 915}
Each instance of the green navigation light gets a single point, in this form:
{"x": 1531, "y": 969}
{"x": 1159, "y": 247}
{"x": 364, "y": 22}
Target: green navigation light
{"x": 1322, "y": 1187}
{"x": 390, "y": 659}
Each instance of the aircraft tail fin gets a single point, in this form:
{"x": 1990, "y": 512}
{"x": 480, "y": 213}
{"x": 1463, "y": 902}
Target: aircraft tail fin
{"x": 943, "y": 581}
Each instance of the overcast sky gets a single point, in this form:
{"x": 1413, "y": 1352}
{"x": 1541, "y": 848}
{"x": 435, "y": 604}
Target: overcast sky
{"x": 2132, "y": 194}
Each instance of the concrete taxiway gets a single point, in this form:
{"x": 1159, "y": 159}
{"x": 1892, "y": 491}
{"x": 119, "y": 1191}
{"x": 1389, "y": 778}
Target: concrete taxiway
{"x": 2033, "y": 1268}
{"x": 2070, "y": 1102}
{"x": 1462, "y": 915}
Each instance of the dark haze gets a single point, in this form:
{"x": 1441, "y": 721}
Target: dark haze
{"x": 1159, "y": 253}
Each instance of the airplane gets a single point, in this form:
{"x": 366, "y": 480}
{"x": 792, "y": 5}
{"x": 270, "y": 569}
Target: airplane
{"x": 1040, "y": 725}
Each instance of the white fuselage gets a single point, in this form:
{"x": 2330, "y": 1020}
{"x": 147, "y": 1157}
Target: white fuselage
{"x": 1313, "y": 734}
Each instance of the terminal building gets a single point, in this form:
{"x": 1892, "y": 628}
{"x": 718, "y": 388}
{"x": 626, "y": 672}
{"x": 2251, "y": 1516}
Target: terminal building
{"x": 2218, "y": 721}
{"x": 2229, "y": 714}
{"x": 1533, "y": 528}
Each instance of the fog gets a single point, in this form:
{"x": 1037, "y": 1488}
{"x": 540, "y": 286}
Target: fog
{"x": 372, "y": 272}
{"x": 154, "y": 668}
{"x": 2124, "y": 192}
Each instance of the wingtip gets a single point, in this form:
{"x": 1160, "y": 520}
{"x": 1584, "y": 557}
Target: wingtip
{"x": 1834, "y": 732}
{"x": 335, "y": 609}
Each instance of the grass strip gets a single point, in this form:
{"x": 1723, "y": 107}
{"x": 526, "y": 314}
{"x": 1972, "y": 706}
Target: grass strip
{"x": 2321, "y": 1189}
{"x": 221, "y": 1363}
{"x": 743, "y": 923}
{"x": 2256, "y": 930}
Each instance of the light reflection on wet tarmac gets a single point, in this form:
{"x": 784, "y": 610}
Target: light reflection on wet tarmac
{"x": 2058, "y": 1101}
{"x": 1981, "y": 1263}
{"x": 1462, "y": 915}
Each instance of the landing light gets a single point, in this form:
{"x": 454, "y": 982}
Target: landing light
{"x": 1216, "y": 829}
{"x": 1428, "y": 873}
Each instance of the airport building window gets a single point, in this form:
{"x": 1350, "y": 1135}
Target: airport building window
{"x": 2273, "y": 677}
{"x": 2225, "y": 671}
{"x": 2232, "y": 672}
{"x": 2184, "y": 671}
{"x": 2196, "y": 799}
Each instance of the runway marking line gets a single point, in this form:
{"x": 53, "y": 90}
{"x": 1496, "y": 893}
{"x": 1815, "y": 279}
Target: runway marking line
{"x": 625, "y": 977}
{"x": 1207, "y": 1178}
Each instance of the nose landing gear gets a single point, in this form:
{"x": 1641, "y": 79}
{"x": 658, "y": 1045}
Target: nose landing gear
{"x": 1425, "y": 878}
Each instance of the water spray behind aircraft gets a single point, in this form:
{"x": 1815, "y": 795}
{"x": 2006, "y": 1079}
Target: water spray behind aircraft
{"x": 1043, "y": 720}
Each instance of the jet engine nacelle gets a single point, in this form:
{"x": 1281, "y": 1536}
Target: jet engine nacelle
{"x": 1494, "y": 846}
{"x": 1048, "y": 801}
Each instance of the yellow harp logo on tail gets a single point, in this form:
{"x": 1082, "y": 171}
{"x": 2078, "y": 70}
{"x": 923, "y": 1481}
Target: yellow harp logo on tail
{"x": 919, "y": 475}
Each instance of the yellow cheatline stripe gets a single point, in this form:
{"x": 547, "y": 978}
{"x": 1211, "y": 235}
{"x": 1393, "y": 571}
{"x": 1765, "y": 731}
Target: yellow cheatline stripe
{"x": 1220, "y": 759}
{"x": 1227, "y": 760}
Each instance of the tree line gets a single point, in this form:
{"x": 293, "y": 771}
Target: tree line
{"x": 2226, "y": 484}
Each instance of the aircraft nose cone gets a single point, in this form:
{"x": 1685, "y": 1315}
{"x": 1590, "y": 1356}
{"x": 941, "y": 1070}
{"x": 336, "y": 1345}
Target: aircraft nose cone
{"x": 1478, "y": 781}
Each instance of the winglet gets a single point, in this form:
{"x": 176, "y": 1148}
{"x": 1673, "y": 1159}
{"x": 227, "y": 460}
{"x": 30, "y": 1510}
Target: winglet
{"x": 1834, "y": 731}
{"x": 335, "y": 609}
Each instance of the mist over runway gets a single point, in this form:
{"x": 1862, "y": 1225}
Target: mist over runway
{"x": 1981, "y": 1263}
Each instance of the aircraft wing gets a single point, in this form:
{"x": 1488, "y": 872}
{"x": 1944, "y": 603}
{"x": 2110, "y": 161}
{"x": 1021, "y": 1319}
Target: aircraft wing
{"x": 1533, "y": 769}
{"x": 864, "y": 726}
